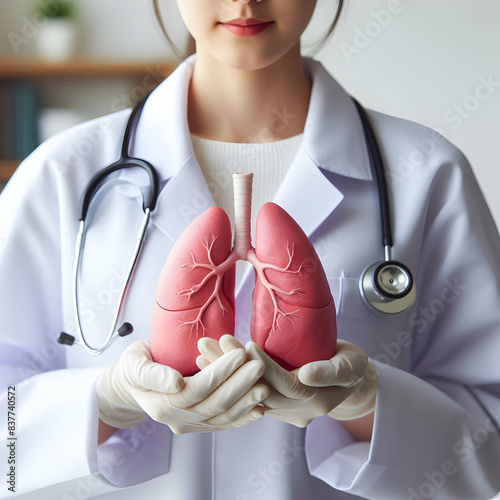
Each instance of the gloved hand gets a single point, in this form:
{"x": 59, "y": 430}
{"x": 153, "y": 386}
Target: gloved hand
{"x": 315, "y": 389}
{"x": 223, "y": 396}
{"x": 348, "y": 364}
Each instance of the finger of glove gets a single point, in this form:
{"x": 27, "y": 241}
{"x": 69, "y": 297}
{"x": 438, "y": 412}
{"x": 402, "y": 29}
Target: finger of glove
{"x": 253, "y": 415}
{"x": 202, "y": 362}
{"x": 247, "y": 403}
{"x": 346, "y": 369}
{"x": 201, "y": 385}
{"x": 275, "y": 400}
{"x": 233, "y": 389}
{"x": 352, "y": 365}
{"x": 159, "y": 408}
{"x": 229, "y": 343}
{"x": 142, "y": 372}
{"x": 179, "y": 427}
{"x": 210, "y": 349}
{"x": 285, "y": 382}
{"x": 293, "y": 411}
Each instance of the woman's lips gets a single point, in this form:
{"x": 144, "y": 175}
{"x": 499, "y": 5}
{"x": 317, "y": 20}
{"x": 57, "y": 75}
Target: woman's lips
{"x": 246, "y": 27}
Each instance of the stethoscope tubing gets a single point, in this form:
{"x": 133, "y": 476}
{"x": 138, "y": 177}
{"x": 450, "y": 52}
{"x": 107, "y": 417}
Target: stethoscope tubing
{"x": 112, "y": 334}
{"x": 379, "y": 171}
{"x": 149, "y": 203}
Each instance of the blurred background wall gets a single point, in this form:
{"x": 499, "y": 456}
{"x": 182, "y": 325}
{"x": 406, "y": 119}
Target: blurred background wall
{"x": 122, "y": 30}
{"x": 423, "y": 60}
{"x": 426, "y": 61}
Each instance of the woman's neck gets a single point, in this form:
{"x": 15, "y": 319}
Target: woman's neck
{"x": 237, "y": 105}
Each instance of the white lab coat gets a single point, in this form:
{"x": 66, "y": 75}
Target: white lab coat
{"x": 436, "y": 420}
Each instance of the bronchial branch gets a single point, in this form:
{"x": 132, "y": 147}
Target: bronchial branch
{"x": 242, "y": 185}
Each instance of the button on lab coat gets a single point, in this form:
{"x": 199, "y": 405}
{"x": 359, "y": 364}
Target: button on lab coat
{"x": 437, "y": 413}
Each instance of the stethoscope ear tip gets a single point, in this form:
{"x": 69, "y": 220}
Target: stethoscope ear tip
{"x": 125, "y": 329}
{"x": 65, "y": 339}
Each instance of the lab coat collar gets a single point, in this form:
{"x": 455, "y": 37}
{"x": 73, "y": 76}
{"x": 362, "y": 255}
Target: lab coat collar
{"x": 333, "y": 134}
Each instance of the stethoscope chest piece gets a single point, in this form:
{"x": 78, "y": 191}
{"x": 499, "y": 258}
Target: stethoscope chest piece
{"x": 387, "y": 287}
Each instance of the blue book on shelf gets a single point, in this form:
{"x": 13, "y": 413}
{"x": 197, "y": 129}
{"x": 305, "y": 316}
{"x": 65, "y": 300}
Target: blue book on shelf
{"x": 6, "y": 129}
{"x": 25, "y": 122}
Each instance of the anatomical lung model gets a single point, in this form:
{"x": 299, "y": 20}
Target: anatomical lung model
{"x": 293, "y": 315}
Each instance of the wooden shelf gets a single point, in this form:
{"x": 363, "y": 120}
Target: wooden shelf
{"x": 82, "y": 68}
{"x": 7, "y": 168}
{"x": 36, "y": 70}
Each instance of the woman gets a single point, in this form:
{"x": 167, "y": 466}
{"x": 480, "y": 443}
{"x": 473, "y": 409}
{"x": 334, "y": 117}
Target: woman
{"x": 433, "y": 432}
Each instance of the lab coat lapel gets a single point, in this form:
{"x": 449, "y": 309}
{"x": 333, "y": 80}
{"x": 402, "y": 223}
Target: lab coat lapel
{"x": 306, "y": 194}
{"x": 184, "y": 197}
{"x": 333, "y": 141}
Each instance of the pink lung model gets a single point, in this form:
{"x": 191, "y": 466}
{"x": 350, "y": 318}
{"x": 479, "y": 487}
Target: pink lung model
{"x": 293, "y": 315}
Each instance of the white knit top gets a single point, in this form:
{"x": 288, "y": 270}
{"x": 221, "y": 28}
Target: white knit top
{"x": 268, "y": 162}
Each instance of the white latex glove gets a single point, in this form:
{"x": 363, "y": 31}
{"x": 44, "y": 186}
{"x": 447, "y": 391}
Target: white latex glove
{"x": 223, "y": 396}
{"x": 318, "y": 388}
{"x": 348, "y": 359}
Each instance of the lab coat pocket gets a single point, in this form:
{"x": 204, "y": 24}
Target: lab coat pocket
{"x": 348, "y": 300}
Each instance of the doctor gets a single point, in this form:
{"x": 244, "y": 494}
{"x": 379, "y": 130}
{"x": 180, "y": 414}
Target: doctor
{"x": 251, "y": 101}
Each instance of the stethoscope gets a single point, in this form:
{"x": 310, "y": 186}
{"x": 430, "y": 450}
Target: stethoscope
{"x": 387, "y": 287}
{"x": 149, "y": 202}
